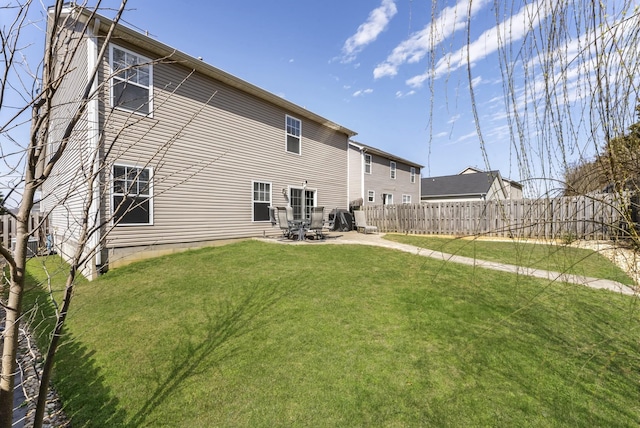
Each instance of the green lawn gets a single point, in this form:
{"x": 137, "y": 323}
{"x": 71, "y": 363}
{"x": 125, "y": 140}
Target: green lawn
{"x": 261, "y": 335}
{"x": 557, "y": 258}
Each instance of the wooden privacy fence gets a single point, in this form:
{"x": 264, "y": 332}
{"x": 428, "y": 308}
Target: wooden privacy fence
{"x": 37, "y": 224}
{"x": 584, "y": 217}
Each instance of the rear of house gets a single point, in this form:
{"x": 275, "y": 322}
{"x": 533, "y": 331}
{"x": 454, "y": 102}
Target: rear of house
{"x": 189, "y": 154}
{"x": 377, "y": 177}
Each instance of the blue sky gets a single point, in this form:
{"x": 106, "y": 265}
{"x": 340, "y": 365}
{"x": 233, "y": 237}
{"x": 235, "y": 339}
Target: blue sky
{"x": 349, "y": 61}
{"x": 395, "y": 70}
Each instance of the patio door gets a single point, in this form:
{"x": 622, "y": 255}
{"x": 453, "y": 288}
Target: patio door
{"x": 302, "y": 200}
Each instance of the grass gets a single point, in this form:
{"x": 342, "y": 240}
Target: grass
{"x": 256, "y": 334}
{"x": 557, "y": 258}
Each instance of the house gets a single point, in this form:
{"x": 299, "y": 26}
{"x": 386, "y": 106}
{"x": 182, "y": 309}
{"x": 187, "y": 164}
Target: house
{"x": 188, "y": 154}
{"x": 471, "y": 184}
{"x": 377, "y": 177}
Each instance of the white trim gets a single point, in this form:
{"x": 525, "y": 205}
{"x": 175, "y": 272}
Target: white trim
{"x": 253, "y": 201}
{"x": 93, "y": 141}
{"x": 393, "y": 170}
{"x": 145, "y": 61}
{"x": 412, "y": 175}
{"x": 286, "y": 134}
{"x": 404, "y": 196}
{"x": 373, "y": 199}
{"x": 111, "y": 193}
{"x": 370, "y": 163}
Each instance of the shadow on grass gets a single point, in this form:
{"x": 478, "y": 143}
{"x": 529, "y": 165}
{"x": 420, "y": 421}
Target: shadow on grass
{"x": 229, "y": 322}
{"x": 77, "y": 379}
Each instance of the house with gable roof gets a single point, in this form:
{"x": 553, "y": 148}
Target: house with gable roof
{"x": 188, "y": 154}
{"x": 380, "y": 178}
{"x": 471, "y": 184}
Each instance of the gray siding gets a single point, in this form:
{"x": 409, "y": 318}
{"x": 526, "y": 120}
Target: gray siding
{"x": 381, "y": 182}
{"x": 205, "y": 157}
{"x": 355, "y": 174}
{"x": 64, "y": 193}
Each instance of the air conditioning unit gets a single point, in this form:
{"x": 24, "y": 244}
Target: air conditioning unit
{"x": 32, "y": 246}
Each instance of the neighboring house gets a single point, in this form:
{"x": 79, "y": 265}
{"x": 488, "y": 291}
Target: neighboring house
{"x": 377, "y": 177}
{"x": 195, "y": 154}
{"x": 470, "y": 185}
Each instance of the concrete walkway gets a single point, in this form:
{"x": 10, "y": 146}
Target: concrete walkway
{"x": 378, "y": 241}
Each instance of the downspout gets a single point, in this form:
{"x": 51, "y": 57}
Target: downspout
{"x": 362, "y": 166}
{"x": 93, "y": 143}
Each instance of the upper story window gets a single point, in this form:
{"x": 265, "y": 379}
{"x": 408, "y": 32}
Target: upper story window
{"x": 294, "y": 127}
{"x": 261, "y": 201}
{"x": 371, "y": 196}
{"x": 131, "y": 82}
{"x": 367, "y": 164}
{"x": 413, "y": 175}
{"x": 131, "y": 201}
{"x": 392, "y": 169}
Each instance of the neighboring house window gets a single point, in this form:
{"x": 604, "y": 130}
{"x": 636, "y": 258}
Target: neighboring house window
{"x": 293, "y": 135}
{"x": 413, "y": 175}
{"x": 406, "y": 199}
{"x": 392, "y": 168}
{"x": 367, "y": 164}
{"x": 132, "y": 81}
{"x": 387, "y": 198}
{"x": 261, "y": 201}
{"x": 131, "y": 195}
{"x": 371, "y": 196}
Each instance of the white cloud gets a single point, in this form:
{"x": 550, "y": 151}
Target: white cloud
{"x": 476, "y": 81}
{"x": 362, "y": 92}
{"x": 400, "y": 94}
{"x": 454, "y": 118}
{"x": 412, "y": 50}
{"x": 368, "y": 32}
{"x": 512, "y": 29}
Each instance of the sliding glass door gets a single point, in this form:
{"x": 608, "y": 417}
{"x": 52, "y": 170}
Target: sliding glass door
{"x": 302, "y": 200}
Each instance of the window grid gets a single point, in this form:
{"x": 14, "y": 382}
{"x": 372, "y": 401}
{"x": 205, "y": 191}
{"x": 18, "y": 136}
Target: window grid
{"x": 392, "y": 169}
{"x": 261, "y": 200}
{"x": 132, "y": 81}
{"x": 294, "y": 131}
{"x": 371, "y": 196}
{"x": 367, "y": 164}
{"x": 406, "y": 199}
{"x": 413, "y": 175}
{"x": 131, "y": 195}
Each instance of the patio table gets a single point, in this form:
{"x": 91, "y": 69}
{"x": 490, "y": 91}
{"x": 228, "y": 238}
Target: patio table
{"x": 301, "y": 226}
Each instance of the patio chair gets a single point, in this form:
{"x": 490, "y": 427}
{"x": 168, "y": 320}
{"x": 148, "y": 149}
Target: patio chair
{"x": 317, "y": 222}
{"x": 284, "y": 223}
{"x": 361, "y": 223}
{"x": 273, "y": 216}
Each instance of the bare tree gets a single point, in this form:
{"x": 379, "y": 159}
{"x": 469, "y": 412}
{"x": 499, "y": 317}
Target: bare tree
{"x": 57, "y": 113}
{"x": 570, "y": 76}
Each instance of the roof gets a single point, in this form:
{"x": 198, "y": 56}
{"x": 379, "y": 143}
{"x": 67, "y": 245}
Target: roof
{"x": 476, "y": 184}
{"x": 136, "y": 38}
{"x": 372, "y": 150}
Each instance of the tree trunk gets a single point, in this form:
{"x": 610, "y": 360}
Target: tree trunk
{"x": 13, "y": 312}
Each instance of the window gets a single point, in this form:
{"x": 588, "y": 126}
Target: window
{"x": 293, "y": 135}
{"x": 131, "y": 82}
{"x": 387, "y": 199}
{"x": 367, "y": 164}
{"x": 302, "y": 201}
{"x": 406, "y": 199}
{"x": 392, "y": 168}
{"x": 371, "y": 196}
{"x": 413, "y": 175}
{"x": 261, "y": 201}
{"x": 131, "y": 202}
